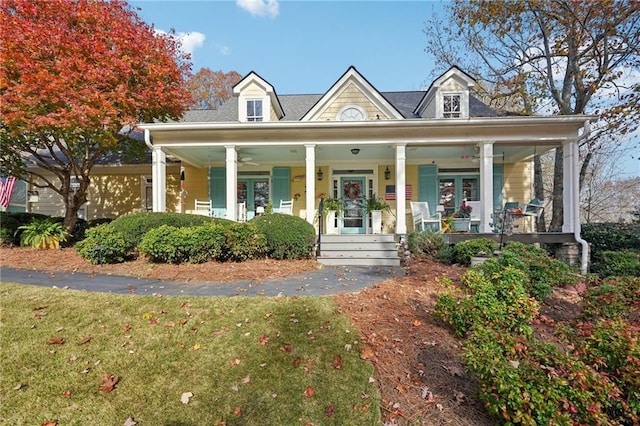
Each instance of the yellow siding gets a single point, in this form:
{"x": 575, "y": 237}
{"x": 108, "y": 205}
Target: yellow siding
{"x": 298, "y": 187}
{"x": 253, "y": 90}
{"x": 452, "y": 85}
{"x": 517, "y": 182}
{"x": 351, "y": 96}
{"x": 196, "y": 184}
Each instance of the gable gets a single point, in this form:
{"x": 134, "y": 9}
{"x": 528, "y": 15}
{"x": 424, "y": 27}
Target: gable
{"x": 352, "y": 91}
{"x": 254, "y": 88}
{"x": 454, "y": 82}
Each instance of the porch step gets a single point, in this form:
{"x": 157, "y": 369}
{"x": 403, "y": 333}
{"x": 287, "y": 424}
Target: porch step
{"x": 359, "y": 249}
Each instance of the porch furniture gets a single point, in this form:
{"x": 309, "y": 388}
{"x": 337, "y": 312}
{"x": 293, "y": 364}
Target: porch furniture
{"x": 476, "y": 214}
{"x": 242, "y": 212}
{"x": 533, "y": 208}
{"x": 203, "y": 207}
{"x": 286, "y": 207}
{"x": 422, "y": 219}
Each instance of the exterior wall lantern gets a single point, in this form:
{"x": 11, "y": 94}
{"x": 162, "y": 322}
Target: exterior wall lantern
{"x": 320, "y": 175}
{"x": 387, "y": 173}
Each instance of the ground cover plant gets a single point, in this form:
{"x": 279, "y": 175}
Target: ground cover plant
{"x": 89, "y": 358}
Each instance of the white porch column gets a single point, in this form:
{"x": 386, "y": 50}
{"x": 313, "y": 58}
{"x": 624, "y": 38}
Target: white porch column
{"x": 232, "y": 182}
{"x": 570, "y": 187}
{"x": 486, "y": 185}
{"x": 401, "y": 195}
{"x": 310, "y": 182}
{"x": 159, "y": 177}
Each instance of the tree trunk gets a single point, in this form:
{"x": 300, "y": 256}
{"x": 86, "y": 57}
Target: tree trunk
{"x": 558, "y": 186}
{"x": 538, "y": 188}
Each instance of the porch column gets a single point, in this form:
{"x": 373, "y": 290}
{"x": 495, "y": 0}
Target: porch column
{"x": 570, "y": 187}
{"x": 310, "y": 182}
{"x": 401, "y": 195}
{"x": 159, "y": 177}
{"x": 486, "y": 185}
{"x": 232, "y": 182}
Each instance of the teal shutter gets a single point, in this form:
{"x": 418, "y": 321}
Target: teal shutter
{"x": 498, "y": 179}
{"x": 218, "y": 187}
{"x": 281, "y": 189}
{"x": 428, "y": 185}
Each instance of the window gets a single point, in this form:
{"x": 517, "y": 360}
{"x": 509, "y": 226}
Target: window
{"x": 254, "y": 110}
{"x": 451, "y": 106}
{"x": 454, "y": 189}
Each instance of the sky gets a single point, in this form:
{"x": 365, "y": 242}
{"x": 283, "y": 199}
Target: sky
{"x": 304, "y": 47}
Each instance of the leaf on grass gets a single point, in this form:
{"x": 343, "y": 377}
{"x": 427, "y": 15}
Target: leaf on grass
{"x": 237, "y": 411}
{"x": 50, "y": 423}
{"x": 296, "y": 362}
{"x": 153, "y": 320}
{"x": 85, "y": 340}
{"x": 56, "y": 341}
{"x": 328, "y": 411}
{"x": 130, "y": 422}
{"x": 182, "y": 321}
{"x": 185, "y": 397}
{"x": 18, "y": 386}
{"x": 108, "y": 383}
{"x": 197, "y": 347}
{"x": 264, "y": 340}
{"x": 246, "y": 380}
{"x": 185, "y": 304}
{"x": 307, "y": 368}
{"x": 66, "y": 394}
{"x": 235, "y": 361}
{"x": 126, "y": 328}
{"x": 309, "y": 392}
{"x": 287, "y": 348}
{"x": 337, "y": 362}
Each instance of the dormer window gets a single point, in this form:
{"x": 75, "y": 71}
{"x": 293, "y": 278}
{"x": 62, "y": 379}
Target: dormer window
{"x": 451, "y": 105}
{"x": 254, "y": 110}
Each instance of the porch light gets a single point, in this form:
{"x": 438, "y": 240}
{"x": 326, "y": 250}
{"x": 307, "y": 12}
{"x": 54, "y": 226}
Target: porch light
{"x": 320, "y": 175}
{"x": 355, "y": 151}
{"x": 387, "y": 173}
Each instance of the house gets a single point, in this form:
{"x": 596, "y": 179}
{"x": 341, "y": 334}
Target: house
{"x": 440, "y": 146}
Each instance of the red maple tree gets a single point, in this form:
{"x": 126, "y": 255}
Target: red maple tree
{"x": 75, "y": 77}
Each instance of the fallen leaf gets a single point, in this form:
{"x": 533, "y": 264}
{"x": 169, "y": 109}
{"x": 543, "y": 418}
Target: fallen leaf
{"x": 126, "y": 328}
{"x": 85, "y": 340}
{"x": 237, "y": 411}
{"x": 184, "y": 398}
{"x": 307, "y": 368}
{"x": 197, "y": 347}
{"x": 182, "y": 321}
{"x": 185, "y": 304}
{"x": 246, "y": 380}
{"x": 130, "y": 422}
{"x": 56, "y": 341}
{"x": 366, "y": 353}
{"x": 264, "y": 340}
{"x": 309, "y": 392}
{"x": 50, "y": 423}
{"x": 153, "y": 320}
{"x": 417, "y": 323}
{"x": 108, "y": 383}
{"x": 235, "y": 361}
{"x": 66, "y": 394}
{"x": 18, "y": 386}
{"x": 287, "y": 348}
{"x": 337, "y": 362}
{"x": 296, "y": 362}
{"x": 328, "y": 411}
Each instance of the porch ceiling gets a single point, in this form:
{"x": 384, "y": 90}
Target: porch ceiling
{"x": 439, "y": 141}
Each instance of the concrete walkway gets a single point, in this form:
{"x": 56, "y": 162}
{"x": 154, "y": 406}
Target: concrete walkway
{"x": 322, "y": 282}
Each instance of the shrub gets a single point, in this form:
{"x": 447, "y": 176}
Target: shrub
{"x": 427, "y": 244}
{"x": 42, "y": 233}
{"x": 287, "y": 237}
{"x": 243, "y": 241}
{"x": 499, "y": 301}
{"x": 10, "y": 222}
{"x": 104, "y": 244}
{"x": 612, "y": 263}
{"x": 614, "y": 297}
{"x": 194, "y": 244}
{"x": 611, "y": 237}
{"x": 465, "y": 249}
{"x": 135, "y": 225}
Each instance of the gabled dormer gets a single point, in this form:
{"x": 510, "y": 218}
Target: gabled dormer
{"x": 352, "y": 98}
{"x": 257, "y": 100}
{"x": 448, "y": 96}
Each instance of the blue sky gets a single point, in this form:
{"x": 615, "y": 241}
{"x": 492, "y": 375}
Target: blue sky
{"x": 303, "y": 47}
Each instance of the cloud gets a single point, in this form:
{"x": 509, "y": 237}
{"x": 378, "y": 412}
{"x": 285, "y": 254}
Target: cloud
{"x": 189, "y": 42}
{"x": 263, "y": 8}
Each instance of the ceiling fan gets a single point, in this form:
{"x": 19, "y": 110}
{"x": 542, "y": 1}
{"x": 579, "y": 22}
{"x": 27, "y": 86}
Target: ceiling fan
{"x": 242, "y": 161}
{"x": 476, "y": 156}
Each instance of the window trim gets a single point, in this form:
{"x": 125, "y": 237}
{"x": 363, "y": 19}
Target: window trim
{"x": 254, "y": 118}
{"x": 452, "y": 113}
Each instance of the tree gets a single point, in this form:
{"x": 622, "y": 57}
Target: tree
{"x": 211, "y": 88}
{"x": 553, "y": 56}
{"x": 73, "y": 75}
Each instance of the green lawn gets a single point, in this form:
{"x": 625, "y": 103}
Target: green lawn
{"x": 248, "y": 361}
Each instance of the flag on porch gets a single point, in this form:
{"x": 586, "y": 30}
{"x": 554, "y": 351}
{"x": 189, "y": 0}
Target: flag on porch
{"x": 6, "y": 189}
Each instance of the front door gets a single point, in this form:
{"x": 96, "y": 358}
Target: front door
{"x": 353, "y": 195}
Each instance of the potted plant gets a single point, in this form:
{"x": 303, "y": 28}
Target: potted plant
{"x": 332, "y": 207}
{"x": 44, "y": 234}
{"x": 375, "y": 206}
{"x": 462, "y": 218}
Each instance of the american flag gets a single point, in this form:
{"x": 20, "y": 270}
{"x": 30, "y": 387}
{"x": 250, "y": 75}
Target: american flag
{"x": 6, "y": 189}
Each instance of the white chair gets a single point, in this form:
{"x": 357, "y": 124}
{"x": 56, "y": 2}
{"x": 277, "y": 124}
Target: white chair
{"x": 476, "y": 214}
{"x": 422, "y": 219}
{"x": 242, "y": 212}
{"x": 203, "y": 207}
{"x": 533, "y": 208}
{"x": 286, "y": 207}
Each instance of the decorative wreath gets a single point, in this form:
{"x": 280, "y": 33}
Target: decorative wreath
{"x": 351, "y": 190}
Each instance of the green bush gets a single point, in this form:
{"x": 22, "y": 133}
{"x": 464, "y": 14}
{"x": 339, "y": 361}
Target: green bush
{"x": 614, "y": 297}
{"x": 10, "y": 222}
{"x": 194, "y": 244}
{"x": 499, "y": 301}
{"x": 427, "y": 244}
{"x": 543, "y": 272}
{"x": 465, "y": 249}
{"x": 104, "y": 244}
{"x": 604, "y": 237}
{"x": 243, "y": 241}
{"x": 42, "y": 233}
{"x": 135, "y": 225}
{"x": 613, "y": 263}
{"x": 287, "y": 237}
